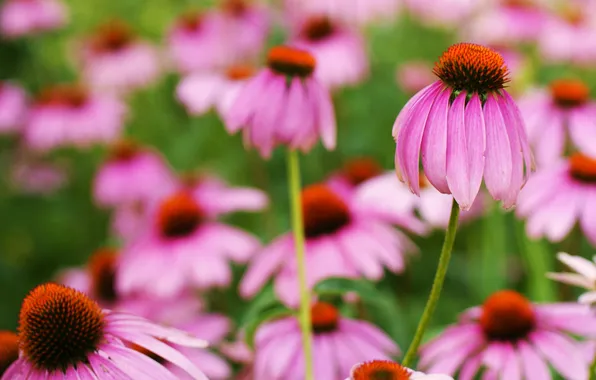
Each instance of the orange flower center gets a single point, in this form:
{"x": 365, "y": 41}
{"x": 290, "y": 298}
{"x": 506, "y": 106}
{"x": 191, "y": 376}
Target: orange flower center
{"x": 361, "y": 170}
{"x": 179, "y": 216}
{"x": 240, "y": 72}
{"x": 123, "y": 150}
{"x": 9, "y": 349}
{"x": 507, "y": 316}
{"x": 569, "y": 93}
{"x": 583, "y": 168}
{"x": 235, "y": 8}
{"x": 191, "y": 20}
{"x": 66, "y": 95}
{"x": 59, "y": 327}
{"x": 111, "y": 37}
{"x": 102, "y": 267}
{"x": 290, "y": 61}
{"x": 472, "y": 68}
{"x": 380, "y": 370}
{"x": 324, "y": 211}
{"x": 325, "y": 317}
{"x": 317, "y": 29}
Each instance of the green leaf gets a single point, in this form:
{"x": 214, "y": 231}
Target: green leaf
{"x": 340, "y": 286}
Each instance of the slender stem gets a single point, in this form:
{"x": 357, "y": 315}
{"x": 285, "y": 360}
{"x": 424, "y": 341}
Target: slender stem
{"x": 298, "y": 229}
{"x": 435, "y": 292}
{"x": 593, "y": 370}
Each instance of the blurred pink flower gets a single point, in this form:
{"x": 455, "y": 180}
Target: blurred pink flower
{"x": 442, "y": 13}
{"x": 284, "y": 104}
{"x": 342, "y": 240}
{"x": 340, "y": 52}
{"x": 128, "y": 220}
{"x": 464, "y": 127}
{"x": 182, "y": 236}
{"x": 565, "y": 111}
{"x": 132, "y": 174}
{"x": 353, "y": 173}
{"x": 338, "y": 343}
{"x": 34, "y": 176}
{"x": 413, "y": 76}
{"x": 113, "y": 59}
{"x": 24, "y": 17}
{"x": 89, "y": 342}
{"x": 199, "y": 92}
{"x": 558, "y": 196}
{"x": 355, "y": 12}
{"x": 13, "y": 105}
{"x": 584, "y": 276}
{"x": 386, "y": 369}
{"x": 510, "y": 338}
{"x": 69, "y": 115}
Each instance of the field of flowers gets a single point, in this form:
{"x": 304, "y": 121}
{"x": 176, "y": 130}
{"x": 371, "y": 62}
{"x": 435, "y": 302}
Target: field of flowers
{"x": 223, "y": 189}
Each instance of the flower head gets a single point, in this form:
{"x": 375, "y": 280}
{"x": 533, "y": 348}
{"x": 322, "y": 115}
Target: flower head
{"x": 584, "y": 276}
{"x": 25, "y": 17}
{"x": 356, "y": 13}
{"x": 466, "y": 127}
{"x": 388, "y": 370}
{"x": 297, "y": 112}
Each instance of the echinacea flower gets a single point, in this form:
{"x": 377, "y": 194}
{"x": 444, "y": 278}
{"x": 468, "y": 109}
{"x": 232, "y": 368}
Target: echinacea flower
{"x": 356, "y": 12}
{"x": 441, "y": 13}
{"x": 70, "y": 115}
{"x": 13, "y": 105}
{"x": 464, "y": 127}
{"x": 354, "y": 173}
{"x": 510, "y": 338}
{"x": 132, "y": 174}
{"x": 114, "y": 59}
{"x": 552, "y": 117}
{"x": 558, "y": 196}
{"x": 333, "y": 45}
{"x": 413, "y": 76}
{"x": 584, "y": 276}
{"x": 385, "y": 369}
{"x": 201, "y": 91}
{"x": 23, "y": 17}
{"x": 342, "y": 240}
{"x": 9, "y": 349}
{"x": 64, "y": 334}
{"x": 284, "y": 104}
{"x": 182, "y": 235}
{"x": 338, "y": 343}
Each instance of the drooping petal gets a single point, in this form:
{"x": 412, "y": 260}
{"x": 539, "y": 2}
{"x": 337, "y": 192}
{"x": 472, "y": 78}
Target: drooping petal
{"x": 582, "y": 128}
{"x": 434, "y": 143}
{"x": 326, "y": 115}
{"x": 406, "y": 111}
{"x": 458, "y": 176}
{"x": 534, "y": 367}
{"x": 523, "y": 138}
{"x": 498, "y": 166}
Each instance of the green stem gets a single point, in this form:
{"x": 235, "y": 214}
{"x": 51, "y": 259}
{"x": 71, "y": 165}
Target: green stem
{"x": 298, "y": 229}
{"x": 593, "y": 370}
{"x": 435, "y": 292}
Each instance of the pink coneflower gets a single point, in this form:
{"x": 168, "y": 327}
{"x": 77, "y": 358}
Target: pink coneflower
{"x": 128, "y": 220}
{"x": 64, "y": 334}
{"x": 465, "y": 126}
{"x": 69, "y": 115}
{"x": 552, "y": 117}
{"x": 510, "y": 338}
{"x": 199, "y": 92}
{"x": 353, "y": 173}
{"x": 132, "y": 174}
{"x": 413, "y": 76}
{"x": 182, "y": 237}
{"x": 115, "y": 59}
{"x": 333, "y": 45}
{"x": 385, "y": 369}
{"x": 341, "y": 240}
{"x": 442, "y": 13}
{"x": 338, "y": 343}
{"x": 13, "y": 105}
{"x": 558, "y": 196}
{"x": 357, "y": 12}
{"x": 9, "y": 349}
{"x": 23, "y": 17}
{"x": 584, "y": 276}
{"x": 298, "y": 108}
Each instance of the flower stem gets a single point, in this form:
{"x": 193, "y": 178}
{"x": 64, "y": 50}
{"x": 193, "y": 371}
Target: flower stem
{"x": 592, "y": 374}
{"x": 298, "y": 229}
{"x": 435, "y": 292}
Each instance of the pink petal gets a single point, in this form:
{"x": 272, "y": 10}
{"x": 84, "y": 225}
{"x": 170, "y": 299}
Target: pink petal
{"x": 534, "y": 367}
{"x": 582, "y": 127}
{"x": 326, "y": 115}
{"x": 434, "y": 143}
{"x": 498, "y": 165}
{"x": 563, "y": 353}
{"x": 264, "y": 264}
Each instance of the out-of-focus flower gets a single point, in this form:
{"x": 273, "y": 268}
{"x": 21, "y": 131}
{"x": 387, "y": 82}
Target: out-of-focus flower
{"x": 284, "y": 104}
{"x": 128, "y": 220}
{"x": 442, "y": 13}
{"x": 338, "y": 343}
{"x": 9, "y": 349}
{"x": 34, "y": 176}
{"x": 353, "y": 173}
{"x": 341, "y": 240}
{"x": 132, "y": 174}
{"x": 558, "y": 196}
{"x": 413, "y": 76}
{"x": 183, "y": 236}
{"x": 356, "y": 12}
{"x": 87, "y": 342}
{"x": 200, "y": 92}
{"x": 69, "y": 115}
{"x": 584, "y": 276}
{"x": 510, "y": 338}
{"x": 114, "y": 59}
{"x": 553, "y": 116}
{"x": 385, "y": 369}
{"x": 340, "y": 53}
{"x": 464, "y": 127}
{"x": 13, "y": 105}
{"x": 24, "y": 17}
